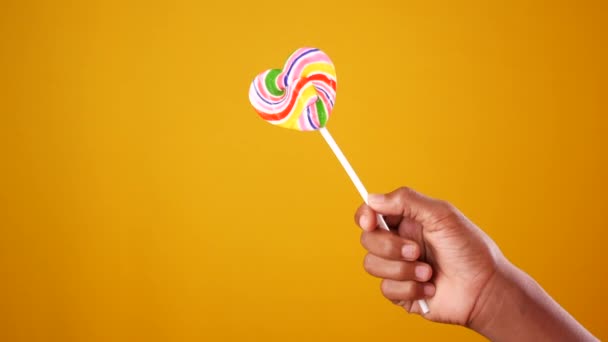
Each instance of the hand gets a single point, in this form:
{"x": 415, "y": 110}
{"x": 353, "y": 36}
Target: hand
{"x": 437, "y": 254}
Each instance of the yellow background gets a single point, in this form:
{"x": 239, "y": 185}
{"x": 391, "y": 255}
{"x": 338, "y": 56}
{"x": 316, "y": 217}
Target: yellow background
{"x": 142, "y": 198}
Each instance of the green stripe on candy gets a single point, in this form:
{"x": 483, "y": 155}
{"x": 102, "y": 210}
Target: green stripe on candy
{"x": 322, "y": 112}
{"x": 271, "y": 82}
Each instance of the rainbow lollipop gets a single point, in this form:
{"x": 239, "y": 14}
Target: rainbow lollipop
{"x": 301, "y": 96}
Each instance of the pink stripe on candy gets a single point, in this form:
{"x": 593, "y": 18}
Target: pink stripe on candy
{"x": 298, "y": 68}
{"x": 302, "y": 122}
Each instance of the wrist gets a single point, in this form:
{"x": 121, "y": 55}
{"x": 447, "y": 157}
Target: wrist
{"x": 502, "y": 290}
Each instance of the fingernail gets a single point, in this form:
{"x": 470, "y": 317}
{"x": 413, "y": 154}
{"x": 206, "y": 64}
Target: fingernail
{"x": 408, "y": 251}
{"x": 422, "y": 272}
{"x": 375, "y": 198}
{"x": 364, "y": 222}
{"x": 429, "y": 290}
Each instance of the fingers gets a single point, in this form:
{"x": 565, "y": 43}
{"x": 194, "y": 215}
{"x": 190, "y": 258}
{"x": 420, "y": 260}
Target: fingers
{"x": 398, "y": 291}
{"x": 365, "y": 218}
{"x": 386, "y": 245}
{"x": 397, "y": 270}
{"x": 406, "y": 202}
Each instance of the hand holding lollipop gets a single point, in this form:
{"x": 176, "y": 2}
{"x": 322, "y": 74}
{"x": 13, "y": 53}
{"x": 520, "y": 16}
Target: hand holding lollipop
{"x": 301, "y": 96}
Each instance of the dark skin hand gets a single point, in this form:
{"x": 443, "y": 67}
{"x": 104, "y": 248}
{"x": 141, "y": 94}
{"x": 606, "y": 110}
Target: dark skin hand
{"x": 436, "y": 253}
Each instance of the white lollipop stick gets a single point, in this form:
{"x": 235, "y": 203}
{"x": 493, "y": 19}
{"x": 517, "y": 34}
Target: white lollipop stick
{"x": 361, "y": 188}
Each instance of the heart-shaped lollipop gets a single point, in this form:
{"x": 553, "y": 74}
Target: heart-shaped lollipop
{"x": 301, "y": 96}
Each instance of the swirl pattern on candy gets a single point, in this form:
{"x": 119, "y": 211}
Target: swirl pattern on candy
{"x": 301, "y": 96}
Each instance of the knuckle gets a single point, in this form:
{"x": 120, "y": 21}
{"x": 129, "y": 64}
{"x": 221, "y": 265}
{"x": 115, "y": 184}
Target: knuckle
{"x": 358, "y": 214}
{"x": 385, "y": 288}
{"x": 367, "y": 263}
{"x": 403, "y": 271}
{"x": 410, "y": 289}
{"x": 364, "y": 239}
{"x": 404, "y": 192}
{"x": 388, "y": 247}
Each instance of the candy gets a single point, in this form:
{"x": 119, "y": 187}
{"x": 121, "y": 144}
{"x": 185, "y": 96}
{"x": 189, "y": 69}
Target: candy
{"x": 301, "y": 96}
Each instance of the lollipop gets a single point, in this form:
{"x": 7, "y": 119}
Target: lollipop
{"x": 301, "y": 96}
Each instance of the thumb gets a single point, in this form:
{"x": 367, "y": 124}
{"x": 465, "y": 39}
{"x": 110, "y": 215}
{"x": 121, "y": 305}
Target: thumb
{"x": 408, "y": 203}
